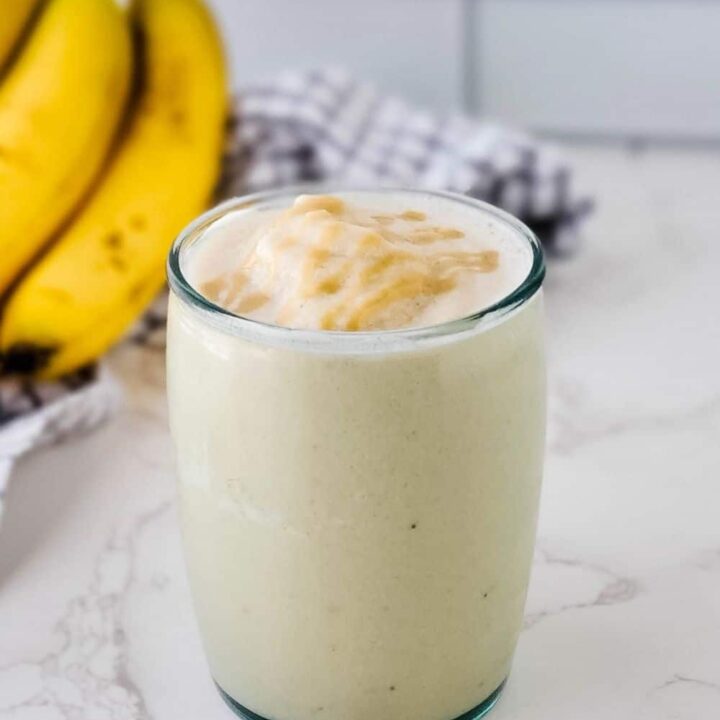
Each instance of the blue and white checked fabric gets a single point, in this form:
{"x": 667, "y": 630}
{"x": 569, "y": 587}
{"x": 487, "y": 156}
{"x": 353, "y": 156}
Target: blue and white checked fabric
{"x": 326, "y": 126}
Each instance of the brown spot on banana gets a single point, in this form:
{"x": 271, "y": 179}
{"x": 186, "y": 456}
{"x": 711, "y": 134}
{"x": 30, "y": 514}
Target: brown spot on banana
{"x": 113, "y": 240}
{"x": 137, "y": 223}
{"x": 178, "y": 118}
{"x": 137, "y": 290}
{"x": 58, "y": 295}
{"x": 117, "y": 263}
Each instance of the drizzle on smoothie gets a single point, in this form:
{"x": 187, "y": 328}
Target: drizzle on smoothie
{"x": 326, "y": 264}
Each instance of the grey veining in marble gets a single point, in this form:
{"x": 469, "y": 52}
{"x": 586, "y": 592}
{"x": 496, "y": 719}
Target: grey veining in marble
{"x": 623, "y": 614}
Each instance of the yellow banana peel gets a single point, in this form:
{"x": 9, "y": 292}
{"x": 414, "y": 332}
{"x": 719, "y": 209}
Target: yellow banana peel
{"x": 60, "y": 108}
{"x": 109, "y": 264}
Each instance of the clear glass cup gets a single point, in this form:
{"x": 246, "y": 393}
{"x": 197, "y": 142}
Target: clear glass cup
{"x": 358, "y": 509}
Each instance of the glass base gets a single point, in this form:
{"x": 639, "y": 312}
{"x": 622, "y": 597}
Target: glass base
{"x": 475, "y": 714}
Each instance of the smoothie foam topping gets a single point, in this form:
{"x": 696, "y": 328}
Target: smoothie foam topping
{"x": 326, "y": 263}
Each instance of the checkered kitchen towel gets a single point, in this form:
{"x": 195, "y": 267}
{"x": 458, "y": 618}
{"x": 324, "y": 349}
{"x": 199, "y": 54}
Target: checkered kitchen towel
{"x": 316, "y": 126}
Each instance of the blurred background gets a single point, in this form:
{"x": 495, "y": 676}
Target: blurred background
{"x": 588, "y": 69}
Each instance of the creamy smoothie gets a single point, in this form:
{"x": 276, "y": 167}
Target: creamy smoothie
{"x": 359, "y": 449}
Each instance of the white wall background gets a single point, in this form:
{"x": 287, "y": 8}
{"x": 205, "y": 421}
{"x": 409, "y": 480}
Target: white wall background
{"x": 638, "y": 68}
{"x": 411, "y": 47}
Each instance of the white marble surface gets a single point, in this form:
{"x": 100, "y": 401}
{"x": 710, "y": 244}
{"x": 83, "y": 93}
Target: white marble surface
{"x": 623, "y": 618}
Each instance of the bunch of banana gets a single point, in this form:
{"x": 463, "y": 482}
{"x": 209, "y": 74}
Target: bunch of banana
{"x": 63, "y": 102}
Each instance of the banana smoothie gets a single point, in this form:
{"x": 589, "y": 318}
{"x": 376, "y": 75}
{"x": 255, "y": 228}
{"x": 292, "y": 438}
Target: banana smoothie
{"x": 357, "y": 400}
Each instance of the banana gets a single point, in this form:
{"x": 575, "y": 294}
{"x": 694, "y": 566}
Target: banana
{"x": 60, "y": 107}
{"x": 15, "y": 15}
{"x": 110, "y": 263}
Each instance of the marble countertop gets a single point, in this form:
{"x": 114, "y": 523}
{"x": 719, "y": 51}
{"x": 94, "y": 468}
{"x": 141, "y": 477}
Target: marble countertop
{"x": 623, "y": 617}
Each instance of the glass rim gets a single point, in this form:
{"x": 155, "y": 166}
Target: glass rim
{"x": 345, "y": 340}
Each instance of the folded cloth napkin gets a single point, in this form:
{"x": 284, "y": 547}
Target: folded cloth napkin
{"x": 318, "y": 126}
{"x": 327, "y": 126}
